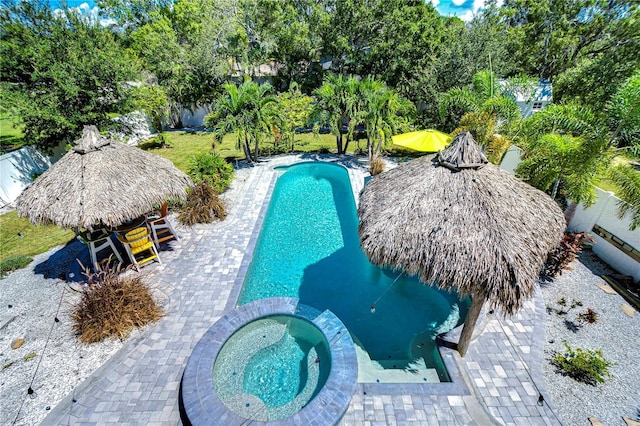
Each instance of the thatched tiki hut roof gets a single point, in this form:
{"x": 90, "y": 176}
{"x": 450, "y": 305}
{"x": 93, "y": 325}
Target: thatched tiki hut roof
{"x": 101, "y": 181}
{"x": 461, "y": 223}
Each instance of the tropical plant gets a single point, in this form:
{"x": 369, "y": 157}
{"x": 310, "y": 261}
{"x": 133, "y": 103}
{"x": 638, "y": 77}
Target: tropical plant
{"x": 564, "y": 146}
{"x": 587, "y": 366}
{"x": 376, "y": 166}
{"x": 484, "y": 96}
{"x": 589, "y": 316}
{"x": 482, "y": 126}
{"x": 211, "y": 168}
{"x": 566, "y": 251}
{"x": 382, "y": 111}
{"x": 336, "y": 107}
{"x": 296, "y": 109}
{"x": 203, "y": 205}
{"x": 623, "y": 115}
{"x": 249, "y": 110}
{"x": 627, "y": 180}
{"x": 112, "y": 305}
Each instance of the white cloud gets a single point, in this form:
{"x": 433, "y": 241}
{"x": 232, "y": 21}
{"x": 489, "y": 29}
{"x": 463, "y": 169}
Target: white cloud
{"x": 435, "y": 3}
{"x": 466, "y": 16}
{"x": 458, "y": 2}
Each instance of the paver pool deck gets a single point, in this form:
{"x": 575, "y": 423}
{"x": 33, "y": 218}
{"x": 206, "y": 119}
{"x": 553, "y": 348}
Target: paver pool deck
{"x": 202, "y": 273}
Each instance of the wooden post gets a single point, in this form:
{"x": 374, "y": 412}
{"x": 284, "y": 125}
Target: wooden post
{"x": 470, "y": 322}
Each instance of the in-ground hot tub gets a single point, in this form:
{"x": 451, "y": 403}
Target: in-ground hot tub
{"x": 273, "y": 360}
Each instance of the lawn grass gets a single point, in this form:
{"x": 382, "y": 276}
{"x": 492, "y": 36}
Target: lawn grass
{"x": 34, "y": 240}
{"x": 184, "y": 145}
{"x": 11, "y": 136}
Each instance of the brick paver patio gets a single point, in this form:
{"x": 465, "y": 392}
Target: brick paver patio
{"x": 201, "y": 275}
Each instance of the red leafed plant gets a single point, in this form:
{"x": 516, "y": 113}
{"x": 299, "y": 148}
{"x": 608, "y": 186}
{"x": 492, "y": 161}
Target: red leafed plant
{"x": 564, "y": 253}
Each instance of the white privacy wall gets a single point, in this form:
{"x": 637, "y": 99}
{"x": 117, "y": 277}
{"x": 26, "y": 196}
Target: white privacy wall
{"x": 604, "y": 213}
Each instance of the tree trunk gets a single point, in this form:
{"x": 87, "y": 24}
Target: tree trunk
{"x": 346, "y": 145}
{"x": 256, "y": 149}
{"x": 470, "y": 322}
{"x": 339, "y": 142}
{"x": 247, "y": 150}
{"x": 554, "y": 192}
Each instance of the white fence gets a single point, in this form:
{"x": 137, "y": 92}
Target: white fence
{"x": 615, "y": 243}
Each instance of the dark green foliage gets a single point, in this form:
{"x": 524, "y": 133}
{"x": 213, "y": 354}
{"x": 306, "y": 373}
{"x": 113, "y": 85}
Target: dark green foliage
{"x": 566, "y": 251}
{"x": 14, "y": 263}
{"x": 583, "y": 365}
{"x": 211, "y": 168}
{"x": 203, "y": 205}
{"x": 61, "y": 73}
{"x": 162, "y": 140}
{"x": 628, "y": 181}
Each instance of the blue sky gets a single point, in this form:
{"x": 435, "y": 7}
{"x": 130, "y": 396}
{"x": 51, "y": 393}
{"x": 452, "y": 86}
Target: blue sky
{"x": 463, "y": 9}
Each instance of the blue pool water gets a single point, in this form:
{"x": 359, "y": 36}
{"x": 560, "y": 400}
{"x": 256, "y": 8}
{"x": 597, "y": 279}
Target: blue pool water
{"x": 272, "y": 367}
{"x": 309, "y": 248}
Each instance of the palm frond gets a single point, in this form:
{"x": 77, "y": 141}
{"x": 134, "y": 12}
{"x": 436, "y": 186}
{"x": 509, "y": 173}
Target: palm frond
{"x": 627, "y": 179}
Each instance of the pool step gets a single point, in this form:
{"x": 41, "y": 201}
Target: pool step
{"x": 415, "y": 371}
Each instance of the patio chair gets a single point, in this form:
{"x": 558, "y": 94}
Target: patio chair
{"x": 139, "y": 246}
{"x": 160, "y": 226}
{"x": 97, "y": 241}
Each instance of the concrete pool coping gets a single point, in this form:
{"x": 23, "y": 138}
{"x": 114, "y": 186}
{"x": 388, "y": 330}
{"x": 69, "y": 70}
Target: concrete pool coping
{"x": 200, "y": 401}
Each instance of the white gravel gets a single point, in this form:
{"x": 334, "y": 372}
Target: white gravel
{"x": 616, "y": 334}
{"x": 28, "y": 305}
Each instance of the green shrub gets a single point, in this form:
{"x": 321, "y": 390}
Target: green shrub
{"x": 13, "y": 263}
{"x": 583, "y": 365}
{"x": 160, "y": 141}
{"x": 211, "y": 168}
{"x": 202, "y": 206}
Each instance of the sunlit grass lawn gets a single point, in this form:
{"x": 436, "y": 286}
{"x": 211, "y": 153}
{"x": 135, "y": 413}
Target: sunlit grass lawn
{"x": 184, "y": 145}
{"x": 11, "y": 136}
{"x": 38, "y": 239}
{"x": 34, "y": 240}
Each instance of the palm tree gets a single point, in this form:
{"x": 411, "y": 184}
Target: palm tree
{"x": 382, "y": 111}
{"x": 335, "y": 106}
{"x": 485, "y": 96}
{"x": 248, "y": 110}
{"x": 564, "y": 146}
{"x": 627, "y": 179}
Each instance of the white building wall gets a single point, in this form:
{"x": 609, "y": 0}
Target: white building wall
{"x": 511, "y": 159}
{"x": 195, "y": 118}
{"x": 604, "y": 213}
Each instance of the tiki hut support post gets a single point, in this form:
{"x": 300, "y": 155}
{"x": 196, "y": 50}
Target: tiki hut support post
{"x": 470, "y": 322}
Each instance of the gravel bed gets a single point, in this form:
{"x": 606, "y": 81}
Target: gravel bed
{"x": 29, "y": 300}
{"x": 615, "y": 333}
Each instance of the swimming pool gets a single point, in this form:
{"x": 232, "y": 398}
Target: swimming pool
{"x": 309, "y": 249}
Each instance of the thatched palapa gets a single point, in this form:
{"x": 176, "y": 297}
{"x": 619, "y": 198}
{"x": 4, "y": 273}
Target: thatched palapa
{"x": 101, "y": 181}
{"x": 461, "y": 223}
